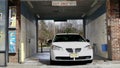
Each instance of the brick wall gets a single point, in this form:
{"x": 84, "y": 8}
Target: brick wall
{"x": 113, "y": 26}
{"x": 115, "y": 39}
{"x": 14, "y": 58}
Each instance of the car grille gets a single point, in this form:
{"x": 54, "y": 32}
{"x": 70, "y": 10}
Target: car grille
{"x": 70, "y": 50}
{"x": 64, "y": 58}
{"x": 83, "y": 57}
{"x": 68, "y": 58}
{"x": 77, "y": 50}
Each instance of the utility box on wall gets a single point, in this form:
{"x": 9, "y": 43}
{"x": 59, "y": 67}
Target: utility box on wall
{"x": 104, "y": 47}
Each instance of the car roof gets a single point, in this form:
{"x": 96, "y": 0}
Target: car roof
{"x": 67, "y": 34}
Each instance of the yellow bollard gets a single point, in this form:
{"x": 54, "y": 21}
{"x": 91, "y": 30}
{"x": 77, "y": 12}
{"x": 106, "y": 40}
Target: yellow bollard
{"x": 22, "y": 53}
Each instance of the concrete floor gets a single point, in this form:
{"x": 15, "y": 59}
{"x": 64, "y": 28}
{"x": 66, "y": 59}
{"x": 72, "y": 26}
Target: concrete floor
{"x": 42, "y": 60}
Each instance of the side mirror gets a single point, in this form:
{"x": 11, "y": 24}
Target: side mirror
{"x": 87, "y": 40}
{"x": 49, "y": 41}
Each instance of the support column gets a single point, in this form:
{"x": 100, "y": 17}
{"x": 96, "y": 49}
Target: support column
{"x": 84, "y": 28}
{"x": 18, "y": 28}
{"x": 113, "y": 29}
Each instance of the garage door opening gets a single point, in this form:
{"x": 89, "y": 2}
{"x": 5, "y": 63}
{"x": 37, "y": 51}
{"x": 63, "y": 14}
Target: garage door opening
{"x": 87, "y": 18}
{"x": 48, "y": 28}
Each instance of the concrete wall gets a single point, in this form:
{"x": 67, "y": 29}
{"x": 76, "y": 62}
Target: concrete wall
{"x": 96, "y": 32}
{"x": 28, "y": 36}
{"x": 28, "y": 32}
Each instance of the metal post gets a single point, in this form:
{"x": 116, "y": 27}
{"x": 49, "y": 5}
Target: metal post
{"x": 41, "y": 48}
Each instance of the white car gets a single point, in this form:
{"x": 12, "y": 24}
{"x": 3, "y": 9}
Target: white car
{"x": 70, "y": 47}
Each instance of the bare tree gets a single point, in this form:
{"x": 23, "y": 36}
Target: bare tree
{"x": 46, "y": 31}
{"x": 71, "y": 26}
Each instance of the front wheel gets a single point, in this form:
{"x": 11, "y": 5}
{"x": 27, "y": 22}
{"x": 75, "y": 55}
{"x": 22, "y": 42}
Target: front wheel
{"x": 52, "y": 62}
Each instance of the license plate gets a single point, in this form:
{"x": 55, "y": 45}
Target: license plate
{"x": 74, "y": 55}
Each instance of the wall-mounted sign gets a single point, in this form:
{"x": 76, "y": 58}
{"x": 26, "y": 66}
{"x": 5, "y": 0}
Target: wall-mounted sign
{"x": 12, "y": 41}
{"x": 64, "y": 3}
{"x": 12, "y": 17}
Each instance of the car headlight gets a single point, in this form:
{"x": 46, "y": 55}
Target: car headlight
{"x": 89, "y": 47}
{"x": 56, "y": 47}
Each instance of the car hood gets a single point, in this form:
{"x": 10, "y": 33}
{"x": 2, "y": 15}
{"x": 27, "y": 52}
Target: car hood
{"x": 71, "y": 44}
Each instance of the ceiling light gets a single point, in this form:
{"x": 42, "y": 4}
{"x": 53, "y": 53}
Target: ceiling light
{"x": 30, "y": 4}
{"x": 38, "y": 15}
{"x": 94, "y": 3}
{"x": 83, "y": 15}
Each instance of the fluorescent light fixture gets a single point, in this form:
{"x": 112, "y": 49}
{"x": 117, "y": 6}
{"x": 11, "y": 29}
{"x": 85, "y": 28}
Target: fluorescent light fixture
{"x": 30, "y": 4}
{"x": 64, "y": 3}
{"x": 94, "y": 3}
{"x": 38, "y": 15}
{"x": 83, "y": 15}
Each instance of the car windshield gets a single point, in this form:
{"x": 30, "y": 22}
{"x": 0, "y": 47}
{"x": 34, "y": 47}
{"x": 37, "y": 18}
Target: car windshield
{"x": 68, "y": 38}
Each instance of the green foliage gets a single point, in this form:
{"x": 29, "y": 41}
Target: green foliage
{"x": 70, "y": 30}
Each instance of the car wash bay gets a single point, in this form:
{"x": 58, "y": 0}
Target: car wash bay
{"x": 100, "y": 19}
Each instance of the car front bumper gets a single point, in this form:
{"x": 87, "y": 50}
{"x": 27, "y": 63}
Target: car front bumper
{"x": 63, "y": 55}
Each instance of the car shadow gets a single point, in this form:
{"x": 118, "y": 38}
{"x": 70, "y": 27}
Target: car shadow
{"x": 62, "y": 63}
{"x": 69, "y": 63}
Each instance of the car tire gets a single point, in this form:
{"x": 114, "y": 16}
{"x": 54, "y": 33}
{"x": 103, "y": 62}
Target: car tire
{"x": 52, "y": 62}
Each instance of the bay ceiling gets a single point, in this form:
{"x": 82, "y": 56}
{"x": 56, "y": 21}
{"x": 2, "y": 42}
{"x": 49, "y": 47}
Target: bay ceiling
{"x": 67, "y": 9}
